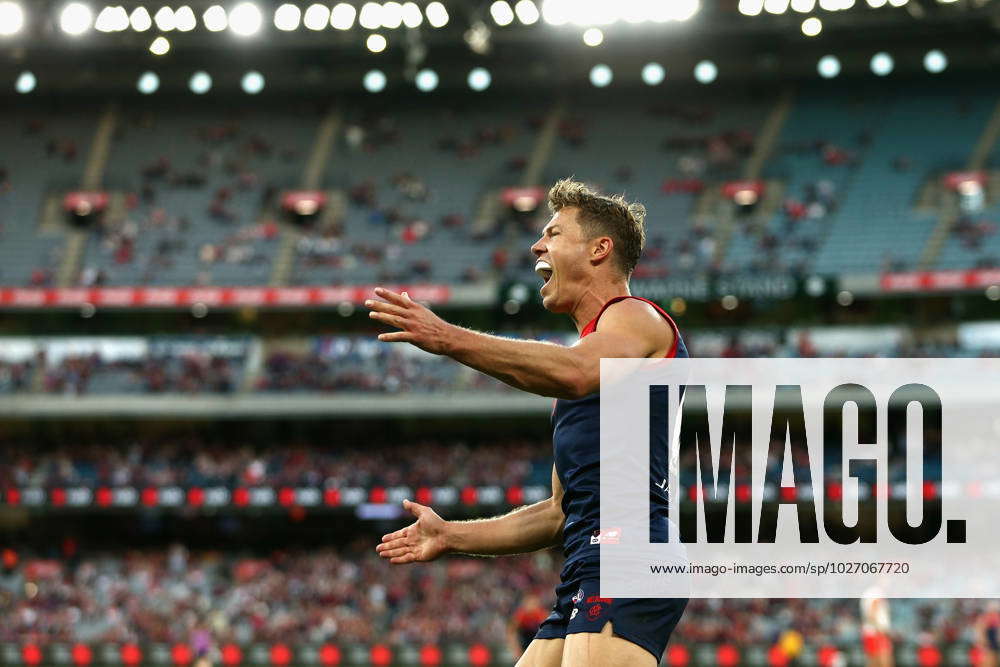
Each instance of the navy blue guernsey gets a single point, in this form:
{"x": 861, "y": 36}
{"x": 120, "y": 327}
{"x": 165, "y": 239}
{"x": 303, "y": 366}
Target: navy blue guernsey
{"x": 576, "y": 443}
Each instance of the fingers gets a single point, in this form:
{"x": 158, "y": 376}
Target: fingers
{"x": 416, "y": 509}
{"x": 403, "y": 560}
{"x": 396, "y": 337}
{"x": 385, "y": 307}
{"x": 392, "y": 297}
{"x": 391, "y": 320}
{"x": 395, "y": 553}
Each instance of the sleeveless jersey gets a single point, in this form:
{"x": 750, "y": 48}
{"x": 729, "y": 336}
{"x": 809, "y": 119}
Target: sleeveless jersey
{"x": 576, "y": 442}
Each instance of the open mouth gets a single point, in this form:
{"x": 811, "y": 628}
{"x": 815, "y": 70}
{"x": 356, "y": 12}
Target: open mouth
{"x": 543, "y": 269}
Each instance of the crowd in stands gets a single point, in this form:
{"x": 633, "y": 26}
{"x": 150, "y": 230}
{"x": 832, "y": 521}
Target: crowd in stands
{"x": 184, "y": 374}
{"x": 193, "y": 460}
{"x": 347, "y": 594}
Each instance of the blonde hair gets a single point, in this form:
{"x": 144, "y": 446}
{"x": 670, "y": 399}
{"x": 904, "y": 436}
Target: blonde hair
{"x": 604, "y": 215}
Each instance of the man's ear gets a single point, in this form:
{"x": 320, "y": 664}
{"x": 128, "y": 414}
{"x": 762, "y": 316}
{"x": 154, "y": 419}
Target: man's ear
{"x": 600, "y": 249}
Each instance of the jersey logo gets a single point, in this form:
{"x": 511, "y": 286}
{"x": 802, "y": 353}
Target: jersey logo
{"x": 594, "y": 611}
{"x": 609, "y": 536}
{"x": 578, "y": 596}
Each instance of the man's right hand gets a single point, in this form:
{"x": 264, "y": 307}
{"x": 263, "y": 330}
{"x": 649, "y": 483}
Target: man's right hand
{"x": 422, "y": 540}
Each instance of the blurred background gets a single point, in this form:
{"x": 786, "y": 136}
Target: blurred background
{"x": 201, "y": 441}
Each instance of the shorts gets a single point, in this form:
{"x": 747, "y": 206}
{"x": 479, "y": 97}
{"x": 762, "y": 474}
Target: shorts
{"x": 646, "y": 622}
{"x": 876, "y": 643}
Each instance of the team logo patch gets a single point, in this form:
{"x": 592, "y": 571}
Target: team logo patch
{"x": 575, "y": 612}
{"x": 578, "y": 596}
{"x": 594, "y": 611}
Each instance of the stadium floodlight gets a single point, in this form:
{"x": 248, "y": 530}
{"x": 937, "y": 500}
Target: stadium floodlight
{"x": 317, "y": 17}
{"x": 427, "y": 79}
{"x": 111, "y": 19}
{"x": 898, "y": 3}
{"x": 557, "y": 12}
{"x": 705, "y": 72}
{"x": 680, "y": 10}
{"x": 76, "y": 18}
{"x": 601, "y": 76}
{"x": 374, "y": 81}
{"x": 164, "y": 18}
{"x": 812, "y": 26}
{"x": 160, "y": 46}
{"x": 25, "y": 83}
{"x": 376, "y": 43}
{"x": 882, "y": 64}
{"x": 252, "y": 82}
{"x": 527, "y": 12}
{"x": 148, "y": 83}
{"x": 653, "y": 74}
{"x": 184, "y": 19}
{"x": 828, "y": 67}
{"x": 11, "y": 18}
{"x": 200, "y": 83}
{"x": 140, "y": 20}
{"x": 935, "y": 61}
{"x": 803, "y": 6}
{"x": 245, "y": 19}
{"x": 392, "y": 15}
{"x": 215, "y": 19}
{"x": 342, "y": 16}
{"x": 437, "y": 14}
{"x": 502, "y": 13}
{"x": 593, "y": 37}
{"x": 751, "y": 7}
{"x": 776, "y": 6}
{"x": 480, "y": 79}
{"x": 370, "y": 16}
{"x": 876, "y": 4}
{"x": 412, "y": 17}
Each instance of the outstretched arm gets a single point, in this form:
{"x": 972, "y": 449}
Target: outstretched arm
{"x": 629, "y": 328}
{"x": 527, "y": 528}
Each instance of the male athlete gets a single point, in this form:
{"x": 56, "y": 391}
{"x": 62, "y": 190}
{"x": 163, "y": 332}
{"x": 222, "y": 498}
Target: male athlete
{"x": 586, "y": 254}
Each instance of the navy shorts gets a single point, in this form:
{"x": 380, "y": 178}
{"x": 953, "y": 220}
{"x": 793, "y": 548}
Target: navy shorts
{"x": 646, "y": 622}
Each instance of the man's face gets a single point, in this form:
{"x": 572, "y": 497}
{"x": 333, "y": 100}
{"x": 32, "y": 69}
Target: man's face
{"x": 562, "y": 261}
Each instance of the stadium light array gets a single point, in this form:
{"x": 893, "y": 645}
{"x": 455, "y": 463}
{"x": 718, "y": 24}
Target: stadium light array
{"x": 935, "y": 61}
{"x": 25, "y": 83}
{"x": 164, "y": 19}
{"x": 776, "y": 6}
{"x": 200, "y": 83}
{"x": 252, "y": 82}
{"x": 706, "y": 72}
{"x": 370, "y": 16}
{"x": 593, "y": 37}
{"x": 601, "y": 76}
{"x": 160, "y": 46}
{"x": 898, "y": 3}
{"x": 76, "y": 18}
{"x": 111, "y": 19}
{"x": 527, "y": 12}
{"x": 317, "y": 17}
{"x": 599, "y": 13}
{"x": 376, "y": 43}
{"x": 437, "y": 14}
{"x": 245, "y": 19}
{"x": 803, "y": 6}
{"x": 828, "y": 67}
{"x": 882, "y": 64}
{"x": 342, "y": 16}
{"x": 876, "y": 4}
{"x": 412, "y": 18}
{"x": 480, "y": 79}
{"x": 374, "y": 81}
{"x": 502, "y": 13}
{"x": 215, "y": 19}
{"x": 184, "y": 19}
{"x": 426, "y": 80}
{"x": 11, "y": 18}
{"x": 751, "y": 7}
{"x": 392, "y": 15}
{"x": 812, "y": 26}
{"x": 140, "y": 20}
{"x": 148, "y": 83}
{"x": 653, "y": 74}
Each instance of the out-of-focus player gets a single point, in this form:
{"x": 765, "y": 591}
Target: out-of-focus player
{"x": 585, "y": 256}
{"x": 875, "y": 628}
{"x": 988, "y": 634}
{"x": 524, "y": 623}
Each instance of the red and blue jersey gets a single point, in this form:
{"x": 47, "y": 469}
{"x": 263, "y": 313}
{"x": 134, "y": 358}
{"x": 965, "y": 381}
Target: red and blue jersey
{"x": 576, "y": 442}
